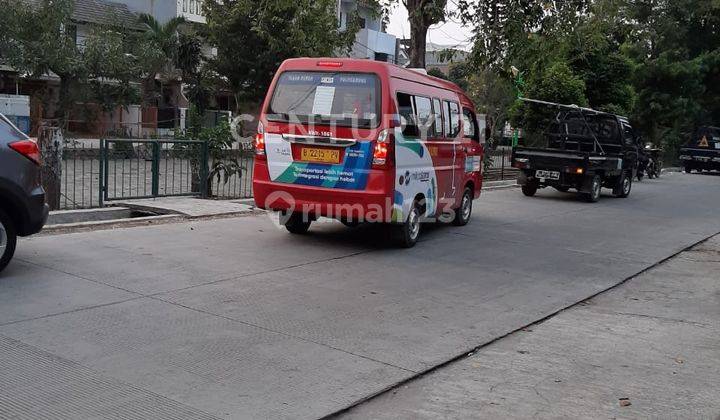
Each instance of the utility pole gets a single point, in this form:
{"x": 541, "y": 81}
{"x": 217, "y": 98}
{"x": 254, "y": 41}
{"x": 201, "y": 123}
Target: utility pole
{"x": 519, "y": 83}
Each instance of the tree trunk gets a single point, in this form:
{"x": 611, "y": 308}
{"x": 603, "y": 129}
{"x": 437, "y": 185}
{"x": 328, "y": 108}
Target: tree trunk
{"x": 418, "y": 44}
{"x": 63, "y": 111}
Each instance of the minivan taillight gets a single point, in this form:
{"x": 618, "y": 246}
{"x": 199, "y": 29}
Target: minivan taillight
{"x": 260, "y": 140}
{"x": 27, "y": 148}
{"x": 382, "y": 152}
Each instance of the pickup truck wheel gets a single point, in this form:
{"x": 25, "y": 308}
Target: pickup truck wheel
{"x": 625, "y": 185}
{"x": 688, "y": 170}
{"x": 297, "y": 224}
{"x": 595, "y": 187}
{"x": 8, "y": 240}
{"x": 529, "y": 189}
{"x": 409, "y": 232}
{"x": 463, "y": 213}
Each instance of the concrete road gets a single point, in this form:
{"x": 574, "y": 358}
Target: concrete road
{"x": 234, "y": 318}
{"x": 648, "y": 349}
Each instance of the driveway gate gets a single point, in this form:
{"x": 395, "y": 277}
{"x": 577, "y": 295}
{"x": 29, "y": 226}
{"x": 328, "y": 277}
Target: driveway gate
{"x": 135, "y": 169}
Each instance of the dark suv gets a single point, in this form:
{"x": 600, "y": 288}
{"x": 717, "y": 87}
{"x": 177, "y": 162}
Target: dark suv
{"x": 22, "y": 199}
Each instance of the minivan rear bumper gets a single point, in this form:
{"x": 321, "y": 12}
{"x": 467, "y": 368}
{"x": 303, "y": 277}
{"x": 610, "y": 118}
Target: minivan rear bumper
{"x": 372, "y": 206}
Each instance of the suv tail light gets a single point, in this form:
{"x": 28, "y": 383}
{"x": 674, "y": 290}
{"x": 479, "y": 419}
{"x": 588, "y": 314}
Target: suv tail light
{"x": 260, "y": 140}
{"x": 382, "y": 152}
{"x": 27, "y": 148}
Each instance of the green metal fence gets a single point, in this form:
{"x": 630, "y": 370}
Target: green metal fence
{"x": 135, "y": 169}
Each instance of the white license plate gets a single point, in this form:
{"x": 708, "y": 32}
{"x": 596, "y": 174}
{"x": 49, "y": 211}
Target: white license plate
{"x": 554, "y": 175}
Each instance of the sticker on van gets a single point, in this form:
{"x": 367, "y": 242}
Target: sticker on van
{"x": 414, "y": 176}
{"x": 350, "y": 174}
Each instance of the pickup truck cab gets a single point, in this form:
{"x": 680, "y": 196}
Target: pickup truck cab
{"x": 587, "y": 150}
{"x": 702, "y": 152}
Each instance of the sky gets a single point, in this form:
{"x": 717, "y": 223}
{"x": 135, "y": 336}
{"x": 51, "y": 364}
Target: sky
{"x": 449, "y": 33}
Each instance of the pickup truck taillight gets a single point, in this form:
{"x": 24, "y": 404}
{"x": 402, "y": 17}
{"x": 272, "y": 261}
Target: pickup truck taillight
{"x": 382, "y": 150}
{"x": 260, "y": 141}
{"x": 27, "y": 148}
{"x": 520, "y": 163}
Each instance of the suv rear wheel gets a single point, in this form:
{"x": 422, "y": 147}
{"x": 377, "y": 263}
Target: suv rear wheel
{"x": 8, "y": 240}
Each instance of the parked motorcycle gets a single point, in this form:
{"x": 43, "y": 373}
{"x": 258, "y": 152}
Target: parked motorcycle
{"x": 649, "y": 162}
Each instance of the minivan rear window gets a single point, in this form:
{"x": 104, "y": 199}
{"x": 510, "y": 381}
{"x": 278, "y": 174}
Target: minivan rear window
{"x": 347, "y": 99}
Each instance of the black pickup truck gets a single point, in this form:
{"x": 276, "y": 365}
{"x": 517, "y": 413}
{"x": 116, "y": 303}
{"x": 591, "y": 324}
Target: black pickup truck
{"x": 702, "y": 152}
{"x": 586, "y": 151}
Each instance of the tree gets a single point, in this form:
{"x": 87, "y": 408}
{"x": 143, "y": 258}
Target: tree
{"x": 164, "y": 38}
{"x": 557, "y": 83}
{"x": 437, "y": 73}
{"x": 35, "y": 41}
{"x": 493, "y": 95}
{"x": 422, "y": 14}
{"x": 676, "y": 49}
{"x": 38, "y": 41}
{"x": 254, "y": 37}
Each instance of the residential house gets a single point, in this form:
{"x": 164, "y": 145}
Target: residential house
{"x": 34, "y": 92}
{"x": 371, "y": 41}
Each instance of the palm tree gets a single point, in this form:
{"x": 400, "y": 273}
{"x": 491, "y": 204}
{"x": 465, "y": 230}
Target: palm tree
{"x": 166, "y": 39}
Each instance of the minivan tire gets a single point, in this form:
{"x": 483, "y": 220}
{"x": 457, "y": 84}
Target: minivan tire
{"x": 464, "y": 212}
{"x": 297, "y": 224}
{"x": 409, "y": 232}
{"x": 8, "y": 240}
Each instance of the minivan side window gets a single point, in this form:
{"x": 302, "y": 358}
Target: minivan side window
{"x": 424, "y": 114}
{"x": 437, "y": 110}
{"x": 407, "y": 115}
{"x": 446, "y": 118}
{"x": 453, "y": 128}
{"x": 470, "y": 128}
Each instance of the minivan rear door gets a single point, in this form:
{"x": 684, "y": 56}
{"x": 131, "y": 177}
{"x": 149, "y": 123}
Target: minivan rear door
{"x": 323, "y": 116}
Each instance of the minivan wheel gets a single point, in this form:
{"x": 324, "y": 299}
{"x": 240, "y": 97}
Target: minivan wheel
{"x": 409, "y": 232}
{"x": 463, "y": 213}
{"x": 296, "y": 223}
{"x": 8, "y": 240}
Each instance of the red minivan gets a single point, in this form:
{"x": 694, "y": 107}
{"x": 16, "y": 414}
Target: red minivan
{"x": 366, "y": 141}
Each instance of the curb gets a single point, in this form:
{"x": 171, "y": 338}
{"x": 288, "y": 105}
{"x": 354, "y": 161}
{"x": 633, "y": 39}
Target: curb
{"x": 108, "y": 224}
{"x": 162, "y": 219}
{"x": 499, "y": 185}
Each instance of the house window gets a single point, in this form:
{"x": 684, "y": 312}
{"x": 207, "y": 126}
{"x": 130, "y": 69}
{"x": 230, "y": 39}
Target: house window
{"x": 185, "y": 6}
{"x": 192, "y": 6}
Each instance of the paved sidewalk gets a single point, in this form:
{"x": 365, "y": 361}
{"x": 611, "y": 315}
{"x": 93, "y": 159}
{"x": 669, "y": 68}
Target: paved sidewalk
{"x": 188, "y": 206}
{"x": 647, "y": 349}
